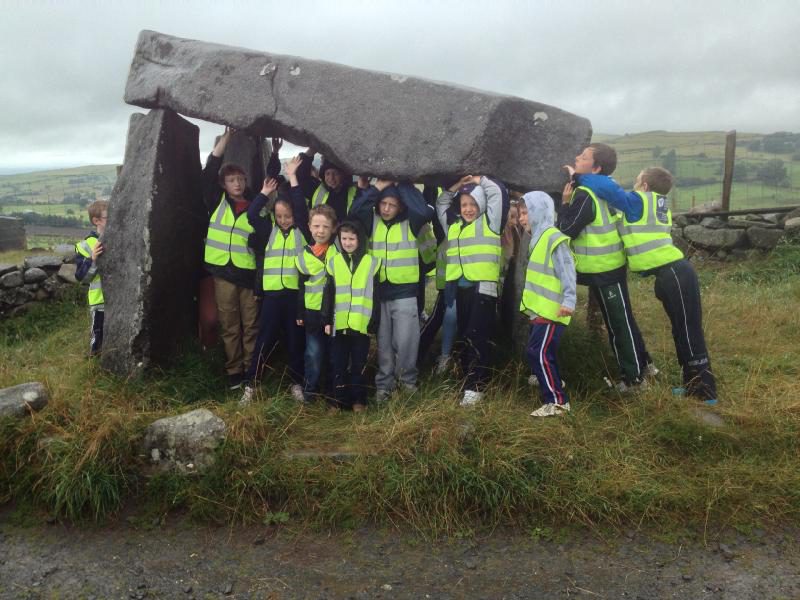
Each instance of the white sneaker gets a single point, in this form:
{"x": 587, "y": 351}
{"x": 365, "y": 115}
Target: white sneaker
{"x": 382, "y": 396}
{"x": 471, "y": 398}
{"x": 551, "y": 410}
{"x": 651, "y": 370}
{"x": 533, "y": 380}
{"x": 297, "y": 392}
{"x": 442, "y": 365}
{"x": 247, "y": 396}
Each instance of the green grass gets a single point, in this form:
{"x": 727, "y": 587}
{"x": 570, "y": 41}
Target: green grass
{"x": 47, "y": 187}
{"x": 422, "y": 463}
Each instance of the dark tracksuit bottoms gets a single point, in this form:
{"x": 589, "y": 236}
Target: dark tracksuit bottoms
{"x": 96, "y": 338}
{"x": 278, "y": 320}
{"x": 542, "y": 351}
{"x": 475, "y": 314}
{"x": 623, "y": 332}
{"x": 677, "y": 288}
{"x": 349, "y": 359}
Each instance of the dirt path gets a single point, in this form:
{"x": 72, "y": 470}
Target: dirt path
{"x": 184, "y": 561}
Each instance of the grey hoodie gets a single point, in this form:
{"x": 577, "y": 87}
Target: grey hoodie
{"x": 541, "y": 216}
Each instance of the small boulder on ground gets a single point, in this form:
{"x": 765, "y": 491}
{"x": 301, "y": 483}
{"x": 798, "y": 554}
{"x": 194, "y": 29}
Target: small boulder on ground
{"x": 185, "y": 442}
{"x": 19, "y": 400}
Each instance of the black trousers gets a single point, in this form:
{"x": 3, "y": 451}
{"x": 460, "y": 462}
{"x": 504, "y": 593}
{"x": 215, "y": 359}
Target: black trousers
{"x": 96, "y": 336}
{"x": 349, "y": 359}
{"x": 678, "y": 290}
{"x": 476, "y": 316}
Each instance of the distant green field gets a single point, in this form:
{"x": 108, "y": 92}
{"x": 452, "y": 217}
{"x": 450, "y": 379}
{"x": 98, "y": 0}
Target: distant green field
{"x": 49, "y": 187}
{"x": 699, "y": 155}
{"x": 61, "y": 210}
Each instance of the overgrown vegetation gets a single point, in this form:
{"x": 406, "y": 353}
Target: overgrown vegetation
{"x": 423, "y": 463}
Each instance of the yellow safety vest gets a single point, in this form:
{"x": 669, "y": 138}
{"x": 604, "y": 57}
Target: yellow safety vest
{"x": 648, "y": 241}
{"x": 84, "y": 248}
{"x": 426, "y": 241}
{"x": 473, "y": 251}
{"x": 280, "y": 254}
{"x": 543, "y": 294}
{"x": 321, "y": 195}
{"x": 396, "y": 246}
{"x": 314, "y": 267}
{"x": 598, "y": 248}
{"x": 354, "y": 292}
{"x": 226, "y": 239}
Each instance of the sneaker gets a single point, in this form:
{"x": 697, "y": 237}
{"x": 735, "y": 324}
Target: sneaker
{"x": 357, "y": 408}
{"x": 533, "y": 380}
{"x": 297, "y": 392}
{"x": 442, "y": 365}
{"x": 710, "y": 402}
{"x": 651, "y": 370}
{"x": 247, "y": 396}
{"x": 235, "y": 381}
{"x": 471, "y": 398}
{"x": 382, "y": 396}
{"x": 551, "y": 410}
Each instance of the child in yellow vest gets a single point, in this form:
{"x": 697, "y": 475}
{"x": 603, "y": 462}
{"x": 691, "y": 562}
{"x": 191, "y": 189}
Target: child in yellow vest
{"x": 87, "y": 252}
{"x": 548, "y": 298}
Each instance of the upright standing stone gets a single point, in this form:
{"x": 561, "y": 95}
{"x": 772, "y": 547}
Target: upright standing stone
{"x": 12, "y": 234}
{"x": 247, "y": 152}
{"x": 154, "y": 244}
{"x": 368, "y": 122}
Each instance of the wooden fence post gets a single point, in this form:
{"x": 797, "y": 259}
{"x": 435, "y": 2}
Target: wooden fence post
{"x": 727, "y": 179}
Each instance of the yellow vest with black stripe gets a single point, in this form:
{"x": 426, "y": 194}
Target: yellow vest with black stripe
{"x": 95, "y": 295}
{"x": 648, "y": 241}
{"x": 314, "y": 268}
{"x": 354, "y": 292}
{"x": 473, "y": 251}
{"x": 226, "y": 239}
{"x": 321, "y": 195}
{"x": 543, "y": 294}
{"x": 280, "y": 254}
{"x": 426, "y": 242}
{"x": 396, "y": 246}
{"x": 598, "y": 248}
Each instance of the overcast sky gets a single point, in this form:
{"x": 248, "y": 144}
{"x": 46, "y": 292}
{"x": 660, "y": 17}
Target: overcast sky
{"x": 627, "y": 66}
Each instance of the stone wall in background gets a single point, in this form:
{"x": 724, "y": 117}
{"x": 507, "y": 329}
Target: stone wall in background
{"x": 38, "y": 278}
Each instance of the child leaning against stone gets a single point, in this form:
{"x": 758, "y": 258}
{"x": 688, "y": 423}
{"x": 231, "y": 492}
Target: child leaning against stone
{"x": 86, "y": 262}
{"x": 548, "y": 298}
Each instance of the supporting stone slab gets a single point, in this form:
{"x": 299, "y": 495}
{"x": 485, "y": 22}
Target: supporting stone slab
{"x": 368, "y": 122}
{"x": 154, "y": 244}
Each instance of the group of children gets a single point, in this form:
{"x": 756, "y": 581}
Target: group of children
{"x": 335, "y": 260}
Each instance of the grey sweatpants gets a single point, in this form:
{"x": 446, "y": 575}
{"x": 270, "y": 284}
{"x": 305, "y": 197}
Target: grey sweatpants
{"x": 398, "y": 344}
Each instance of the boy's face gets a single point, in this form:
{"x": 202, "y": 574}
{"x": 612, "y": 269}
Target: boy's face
{"x": 100, "y": 222}
{"x": 639, "y": 185}
{"x": 349, "y": 241}
{"x": 389, "y": 208}
{"x": 523, "y": 218}
{"x": 321, "y": 229}
{"x": 469, "y": 208}
{"x": 513, "y": 217}
{"x": 283, "y": 216}
{"x": 234, "y": 185}
{"x": 333, "y": 178}
{"x": 584, "y": 162}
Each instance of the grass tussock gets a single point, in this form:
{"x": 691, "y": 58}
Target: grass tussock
{"x": 422, "y": 462}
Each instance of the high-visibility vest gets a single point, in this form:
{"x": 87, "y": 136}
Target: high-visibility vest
{"x": 396, "y": 246}
{"x": 598, "y": 248}
{"x": 280, "y": 254}
{"x": 648, "y": 241}
{"x": 543, "y": 294}
{"x": 95, "y": 295}
{"x": 354, "y": 292}
{"x": 473, "y": 251}
{"x": 426, "y": 242}
{"x": 309, "y": 264}
{"x": 321, "y": 195}
{"x": 441, "y": 265}
{"x": 226, "y": 239}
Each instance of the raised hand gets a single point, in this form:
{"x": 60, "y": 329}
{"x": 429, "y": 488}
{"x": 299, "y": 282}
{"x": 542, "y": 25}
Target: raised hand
{"x": 270, "y": 185}
{"x": 277, "y": 144}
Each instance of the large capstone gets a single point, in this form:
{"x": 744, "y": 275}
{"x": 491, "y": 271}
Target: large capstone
{"x": 154, "y": 244}
{"x": 368, "y": 122}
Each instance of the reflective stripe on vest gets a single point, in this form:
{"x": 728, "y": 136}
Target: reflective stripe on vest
{"x": 226, "y": 239}
{"x": 95, "y": 295}
{"x": 314, "y": 267}
{"x": 598, "y": 248}
{"x": 648, "y": 241}
{"x": 396, "y": 246}
{"x": 543, "y": 293}
{"x": 426, "y": 241}
{"x": 280, "y": 266}
{"x": 321, "y": 195}
{"x": 354, "y": 292}
{"x": 473, "y": 251}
